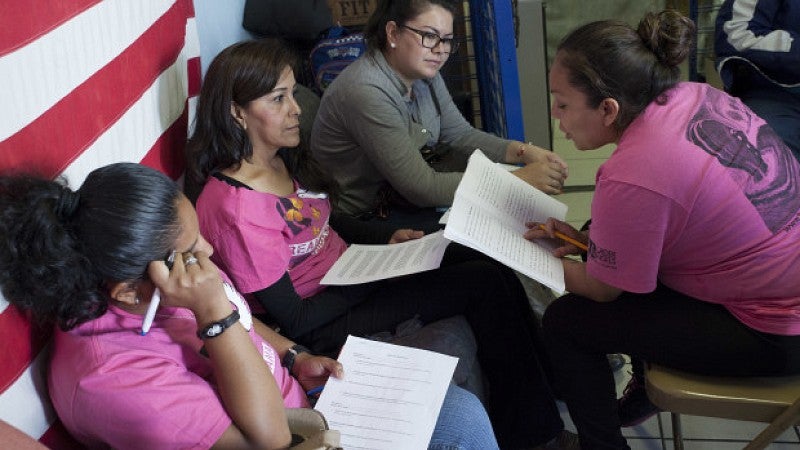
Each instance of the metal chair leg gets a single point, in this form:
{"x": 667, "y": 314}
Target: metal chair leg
{"x": 785, "y": 420}
{"x": 661, "y": 432}
{"x": 677, "y": 433}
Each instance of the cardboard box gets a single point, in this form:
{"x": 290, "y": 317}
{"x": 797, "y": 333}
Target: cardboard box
{"x": 350, "y": 13}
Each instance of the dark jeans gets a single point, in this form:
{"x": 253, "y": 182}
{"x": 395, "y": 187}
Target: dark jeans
{"x": 662, "y": 327}
{"x": 780, "y": 108}
{"x": 491, "y": 298}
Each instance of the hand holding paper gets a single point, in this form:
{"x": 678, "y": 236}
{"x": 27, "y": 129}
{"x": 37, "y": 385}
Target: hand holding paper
{"x": 489, "y": 214}
{"x": 390, "y": 396}
{"x": 365, "y": 263}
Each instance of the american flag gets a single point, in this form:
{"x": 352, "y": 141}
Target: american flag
{"x": 85, "y": 83}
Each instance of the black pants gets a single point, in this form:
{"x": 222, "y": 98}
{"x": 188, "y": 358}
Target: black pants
{"x": 662, "y": 327}
{"x": 491, "y": 298}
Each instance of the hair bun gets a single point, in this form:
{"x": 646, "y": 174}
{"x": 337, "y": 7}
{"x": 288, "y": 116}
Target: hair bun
{"x": 669, "y": 35}
{"x": 66, "y": 203}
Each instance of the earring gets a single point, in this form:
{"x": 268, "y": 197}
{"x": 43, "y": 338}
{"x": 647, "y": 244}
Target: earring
{"x": 136, "y": 300}
{"x": 392, "y": 45}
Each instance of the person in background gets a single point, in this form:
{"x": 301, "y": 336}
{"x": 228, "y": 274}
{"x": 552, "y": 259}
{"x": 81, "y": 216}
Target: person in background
{"x": 265, "y": 207}
{"x": 388, "y": 131}
{"x": 207, "y": 374}
{"x": 692, "y": 252}
{"x": 757, "y": 48}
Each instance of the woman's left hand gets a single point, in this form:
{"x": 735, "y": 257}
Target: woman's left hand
{"x": 405, "y": 234}
{"x": 547, "y": 175}
{"x": 313, "y": 371}
{"x": 543, "y": 169}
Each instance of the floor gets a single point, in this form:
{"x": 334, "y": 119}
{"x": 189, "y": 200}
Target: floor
{"x": 699, "y": 432}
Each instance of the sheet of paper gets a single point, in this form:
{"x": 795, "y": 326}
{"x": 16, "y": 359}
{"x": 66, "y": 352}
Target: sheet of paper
{"x": 390, "y": 395}
{"x": 445, "y": 216}
{"x": 489, "y": 213}
{"x": 365, "y": 263}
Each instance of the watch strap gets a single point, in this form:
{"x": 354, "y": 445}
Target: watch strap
{"x": 291, "y": 354}
{"x": 214, "y": 329}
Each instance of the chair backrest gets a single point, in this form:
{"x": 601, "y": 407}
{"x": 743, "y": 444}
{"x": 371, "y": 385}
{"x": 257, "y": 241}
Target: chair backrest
{"x": 84, "y": 84}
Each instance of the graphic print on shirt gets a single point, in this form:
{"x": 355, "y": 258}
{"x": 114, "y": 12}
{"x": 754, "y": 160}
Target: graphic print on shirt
{"x": 290, "y": 210}
{"x": 269, "y": 356}
{"x": 308, "y": 225}
{"x": 766, "y": 170}
{"x": 606, "y": 258}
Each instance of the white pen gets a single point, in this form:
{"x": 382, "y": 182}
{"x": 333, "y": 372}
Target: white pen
{"x": 151, "y": 311}
{"x": 156, "y": 298}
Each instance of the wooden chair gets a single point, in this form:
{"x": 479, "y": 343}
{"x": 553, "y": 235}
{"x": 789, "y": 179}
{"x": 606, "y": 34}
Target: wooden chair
{"x": 773, "y": 400}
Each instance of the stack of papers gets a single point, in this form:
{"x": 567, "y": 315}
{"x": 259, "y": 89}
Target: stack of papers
{"x": 489, "y": 213}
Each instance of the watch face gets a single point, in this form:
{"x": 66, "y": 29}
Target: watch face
{"x": 214, "y": 330}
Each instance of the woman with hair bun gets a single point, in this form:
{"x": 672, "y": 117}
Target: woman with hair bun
{"x": 692, "y": 259}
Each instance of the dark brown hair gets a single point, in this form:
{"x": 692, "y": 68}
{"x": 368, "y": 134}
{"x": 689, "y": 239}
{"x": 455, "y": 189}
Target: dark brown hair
{"x": 60, "y": 248}
{"x": 609, "y": 59}
{"x": 242, "y": 73}
{"x": 400, "y": 12}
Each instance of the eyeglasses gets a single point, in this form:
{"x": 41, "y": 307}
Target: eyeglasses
{"x": 432, "y": 40}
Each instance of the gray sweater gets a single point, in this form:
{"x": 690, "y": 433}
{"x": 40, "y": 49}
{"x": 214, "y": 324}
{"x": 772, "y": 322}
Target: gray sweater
{"x": 369, "y": 131}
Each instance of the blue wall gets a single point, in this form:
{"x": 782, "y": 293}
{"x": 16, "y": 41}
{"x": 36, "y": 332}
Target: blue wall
{"x": 219, "y": 24}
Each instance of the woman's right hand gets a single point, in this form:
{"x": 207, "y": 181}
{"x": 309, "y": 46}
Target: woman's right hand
{"x": 196, "y": 285}
{"x": 244, "y": 382}
{"x": 537, "y": 230}
{"x": 405, "y": 234}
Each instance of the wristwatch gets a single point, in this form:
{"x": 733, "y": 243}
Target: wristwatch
{"x": 291, "y": 354}
{"x": 214, "y": 329}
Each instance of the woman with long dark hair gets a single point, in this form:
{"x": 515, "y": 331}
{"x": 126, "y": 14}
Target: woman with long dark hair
{"x": 266, "y": 209}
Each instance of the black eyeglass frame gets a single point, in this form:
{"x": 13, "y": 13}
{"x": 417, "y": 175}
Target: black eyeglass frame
{"x": 451, "y": 42}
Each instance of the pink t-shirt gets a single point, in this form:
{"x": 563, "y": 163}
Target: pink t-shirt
{"x": 703, "y": 196}
{"x": 257, "y": 237}
{"x": 112, "y": 387}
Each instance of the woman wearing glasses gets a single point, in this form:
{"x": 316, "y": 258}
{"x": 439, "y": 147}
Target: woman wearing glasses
{"x": 386, "y": 121}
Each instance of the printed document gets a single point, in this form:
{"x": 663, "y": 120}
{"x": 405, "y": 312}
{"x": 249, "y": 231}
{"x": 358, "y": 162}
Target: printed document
{"x": 365, "y": 263}
{"x": 489, "y": 213}
{"x": 389, "y": 397}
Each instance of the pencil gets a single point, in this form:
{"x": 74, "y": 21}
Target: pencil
{"x": 567, "y": 239}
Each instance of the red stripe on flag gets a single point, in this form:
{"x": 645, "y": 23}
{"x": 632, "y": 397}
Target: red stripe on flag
{"x": 22, "y": 341}
{"x": 167, "y": 154}
{"x": 24, "y": 22}
{"x": 195, "y": 76}
{"x": 52, "y": 141}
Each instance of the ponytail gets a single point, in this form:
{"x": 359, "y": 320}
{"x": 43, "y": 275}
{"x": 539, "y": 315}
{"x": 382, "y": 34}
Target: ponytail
{"x": 60, "y": 248}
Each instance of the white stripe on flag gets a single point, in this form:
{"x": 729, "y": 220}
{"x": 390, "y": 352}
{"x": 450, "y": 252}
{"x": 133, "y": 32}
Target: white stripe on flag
{"x": 101, "y": 33}
{"x": 192, "y": 105}
{"x": 131, "y": 137}
{"x": 192, "y": 43}
{"x": 23, "y": 403}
